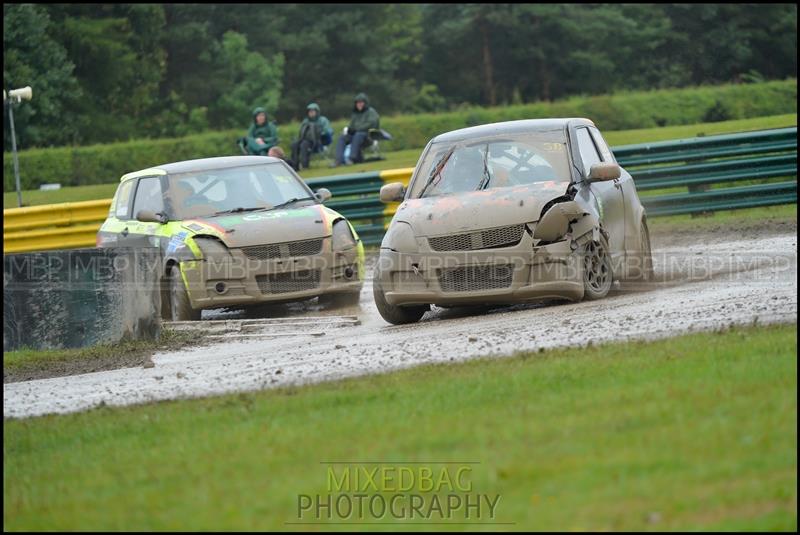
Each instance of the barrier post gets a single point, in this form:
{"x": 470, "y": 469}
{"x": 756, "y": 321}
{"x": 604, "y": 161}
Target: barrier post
{"x": 14, "y": 151}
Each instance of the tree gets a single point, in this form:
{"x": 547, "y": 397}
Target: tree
{"x": 459, "y": 51}
{"x": 334, "y": 51}
{"x": 105, "y": 72}
{"x": 119, "y": 62}
{"x": 32, "y": 57}
{"x": 243, "y": 80}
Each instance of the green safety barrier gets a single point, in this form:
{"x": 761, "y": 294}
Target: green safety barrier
{"x": 721, "y": 172}
{"x": 720, "y": 162}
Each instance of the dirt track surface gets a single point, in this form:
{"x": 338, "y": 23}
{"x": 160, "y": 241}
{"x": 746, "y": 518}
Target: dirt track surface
{"x": 720, "y": 279}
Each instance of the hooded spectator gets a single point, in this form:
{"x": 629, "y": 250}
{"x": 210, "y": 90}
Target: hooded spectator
{"x": 262, "y": 134}
{"x": 315, "y": 133}
{"x": 364, "y": 119}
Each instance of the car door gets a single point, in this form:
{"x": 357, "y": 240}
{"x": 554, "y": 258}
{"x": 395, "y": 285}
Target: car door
{"x": 148, "y": 196}
{"x": 112, "y": 233}
{"x": 629, "y": 195}
{"x": 607, "y": 194}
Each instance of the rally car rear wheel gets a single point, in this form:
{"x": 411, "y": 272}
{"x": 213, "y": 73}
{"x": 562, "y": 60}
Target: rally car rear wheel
{"x": 644, "y": 270}
{"x": 597, "y": 276}
{"x": 180, "y": 306}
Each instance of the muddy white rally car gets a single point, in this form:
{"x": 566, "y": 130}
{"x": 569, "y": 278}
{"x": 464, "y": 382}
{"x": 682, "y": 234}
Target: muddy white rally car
{"x": 511, "y": 212}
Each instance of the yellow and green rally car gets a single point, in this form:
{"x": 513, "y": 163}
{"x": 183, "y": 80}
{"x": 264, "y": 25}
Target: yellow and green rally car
{"x": 235, "y": 231}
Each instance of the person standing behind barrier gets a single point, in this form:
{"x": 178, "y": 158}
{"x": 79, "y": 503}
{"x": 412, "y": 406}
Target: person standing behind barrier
{"x": 363, "y": 119}
{"x": 277, "y": 152}
{"x": 315, "y": 133}
{"x": 262, "y": 134}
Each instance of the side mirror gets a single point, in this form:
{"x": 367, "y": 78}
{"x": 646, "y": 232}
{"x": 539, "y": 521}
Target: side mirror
{"x": 148, "y": 216}
{"x": 393, "y": 192}
{"x": 601, "y": 172}
{"x": 323, "y": 194}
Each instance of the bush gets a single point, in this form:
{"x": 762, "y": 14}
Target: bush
{"x": 98, "y": 164}
{"x": 717, "y": 113}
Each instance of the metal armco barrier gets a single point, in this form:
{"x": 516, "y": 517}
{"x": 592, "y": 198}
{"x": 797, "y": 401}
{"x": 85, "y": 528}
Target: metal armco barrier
{"x": 708, "y": 166}
{"x": 712, "y": 168}
{"x": 356, "y": 197}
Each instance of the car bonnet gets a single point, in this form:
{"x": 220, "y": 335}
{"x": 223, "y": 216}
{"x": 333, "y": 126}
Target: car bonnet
{"x": 445, "y": 214}
{"x": 272, "y": 226}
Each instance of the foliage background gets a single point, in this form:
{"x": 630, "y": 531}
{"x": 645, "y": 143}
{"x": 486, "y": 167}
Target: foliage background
{"x": 106, "y": 162}
{"x": 115, "y": 72}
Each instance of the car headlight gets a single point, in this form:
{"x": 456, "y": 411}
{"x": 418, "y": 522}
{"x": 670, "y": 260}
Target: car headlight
{"x": 212, "y": 248}
{"x": 400, "y": 238}
{"x": 342, "y": 236}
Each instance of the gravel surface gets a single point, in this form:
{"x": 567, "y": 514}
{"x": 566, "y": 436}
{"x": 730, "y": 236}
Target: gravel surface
{"x": 721, "y": 279}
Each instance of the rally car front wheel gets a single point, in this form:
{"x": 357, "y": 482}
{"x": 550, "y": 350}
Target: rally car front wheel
{"x": 180, "y": 308}
{"x": 396, "y": 315}
{"x": 597, "y": 276}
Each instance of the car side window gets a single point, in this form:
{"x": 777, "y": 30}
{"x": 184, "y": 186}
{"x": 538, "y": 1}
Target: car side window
{"x": 148, "y": 196}
{"x": 605, "y": 152}
{"x": 587, "y": 150}
{"x": 123, "y": 200}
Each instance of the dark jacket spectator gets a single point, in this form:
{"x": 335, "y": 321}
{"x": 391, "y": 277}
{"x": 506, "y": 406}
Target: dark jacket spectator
{"x": 315, "y": 133}
{"x": 364, "y": 118}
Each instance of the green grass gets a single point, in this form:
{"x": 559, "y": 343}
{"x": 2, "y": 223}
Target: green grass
{"x": 627, "y": 137}
{"x": 408, "y": 158}
{"x": 25, "y": 364}
{"x": 71, "y": 194}
{"x": 738, "y": 219}
{"x": 14, "y": 360}
{"x": 695, "y": 432}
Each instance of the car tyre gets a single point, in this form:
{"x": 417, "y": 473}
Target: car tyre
{"x": 644, "y": 270}
{"x": 166, "y": 298}
{"x": 180, "y": 306}
{"x": 396, "y": 315}
{"x": 597, "y": 273}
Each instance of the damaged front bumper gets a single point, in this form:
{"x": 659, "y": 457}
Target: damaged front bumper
{"x": 236, "y": 279}
{"x": 520, "y": 273}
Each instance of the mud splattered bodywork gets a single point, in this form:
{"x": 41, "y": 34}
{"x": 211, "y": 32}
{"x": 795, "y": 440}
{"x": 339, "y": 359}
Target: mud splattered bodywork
{"x": 232, "y": 247}
{"x": 543, "y": 210}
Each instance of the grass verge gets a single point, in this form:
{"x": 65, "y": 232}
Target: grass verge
{"x": 765, "y": 218}
{"x": 408, "y": 158}
{"x": 695, "y": 432}
{"x": 28, "y": 364}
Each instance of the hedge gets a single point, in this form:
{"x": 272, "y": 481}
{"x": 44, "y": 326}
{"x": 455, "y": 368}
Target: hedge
{"x": 97, "y": 164}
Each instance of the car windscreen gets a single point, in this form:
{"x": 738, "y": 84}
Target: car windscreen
{"x": 233, "y": 189}
{"x": 496, "y": 162}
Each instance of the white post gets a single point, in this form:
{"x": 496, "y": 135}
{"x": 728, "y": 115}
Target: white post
{"x": 14, "y": 149}
{"x": 16, "y": 95}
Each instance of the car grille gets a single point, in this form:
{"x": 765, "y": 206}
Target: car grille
{"x": 291, "y": 281}
{"x": 283, "y": 250}
{"x": 482, "y": 239}
{"x": 473, "y": 278}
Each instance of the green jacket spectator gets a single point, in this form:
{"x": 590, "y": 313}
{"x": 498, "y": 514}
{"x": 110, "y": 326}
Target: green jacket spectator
{"x": 262, "y": 135}
{"x": 364, "y": 120}
{"x": 315, "y": 127}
